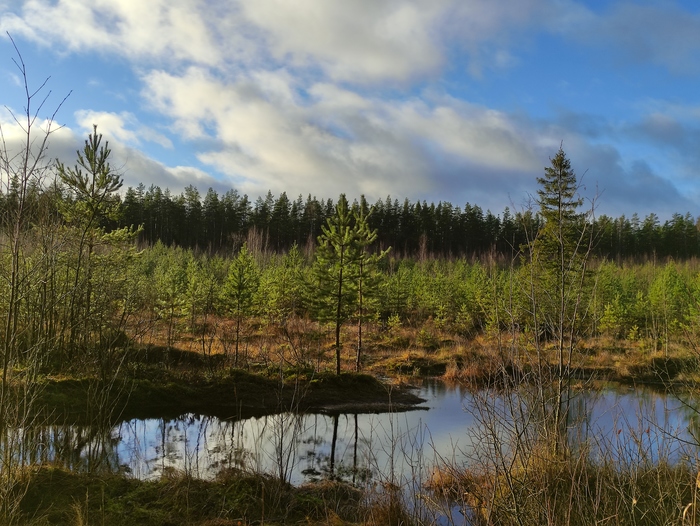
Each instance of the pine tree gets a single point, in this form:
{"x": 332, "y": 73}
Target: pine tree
{"x": 559, "y": 202}
{"x": 334, "y": 270}
{"x": 239, "y": 289}
{"x": 170, "y": 284}
{"x": 213, "y": 219}
{"x": 93, "y": 184}
{"x": 367, "y": 273}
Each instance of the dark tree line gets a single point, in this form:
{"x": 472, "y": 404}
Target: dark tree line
{"x": 217, "y": 223}
{"x": 222, "y": 223}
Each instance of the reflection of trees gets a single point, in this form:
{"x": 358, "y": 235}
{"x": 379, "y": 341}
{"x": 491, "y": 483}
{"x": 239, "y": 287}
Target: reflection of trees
{"x": 334, "y": 440}
{"x": 690, "y": 408}
{"x": 199, "y": 446}
{"x": 285, "y": 430}
{"x": 325, "y": 457}
{"x": 77, "y": 448}
{"x": 352, "y": 448}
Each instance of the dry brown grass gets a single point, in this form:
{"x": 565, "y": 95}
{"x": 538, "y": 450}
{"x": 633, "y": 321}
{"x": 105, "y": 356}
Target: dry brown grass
{"x": 401, "y": 350}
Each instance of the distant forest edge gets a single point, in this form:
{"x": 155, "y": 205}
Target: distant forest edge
{"x": 218, "y": 223}
{"x": 222, "y": 223}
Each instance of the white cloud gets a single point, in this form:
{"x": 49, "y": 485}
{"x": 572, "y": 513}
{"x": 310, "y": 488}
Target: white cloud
{"x": 172, "y": 30}
{"x": 485, "y": 137}
{"x": 138, "y": 168}
{"x": 279, "y": 142}
{"x": 48, "y": 142}
{"x": 363, "y": 40}
{"x": 134, "y": 166}
{"x": 307, "y": 96}
{"x": 689, "y": 113}
{"x": 122, "y": 126}
{"x": 266, "y": 135}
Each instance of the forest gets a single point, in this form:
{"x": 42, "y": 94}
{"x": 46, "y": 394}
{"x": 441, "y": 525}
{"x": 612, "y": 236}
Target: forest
{"x": 83, "y": 272}
{"x": 114, "y": 307}
{"x": 220, "y": 223}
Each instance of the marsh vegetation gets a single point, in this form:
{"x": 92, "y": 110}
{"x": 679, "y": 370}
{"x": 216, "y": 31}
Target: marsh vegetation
{"x": 106, "y": 324}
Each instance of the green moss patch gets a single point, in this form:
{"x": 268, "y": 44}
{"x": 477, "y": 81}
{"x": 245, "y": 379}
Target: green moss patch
{"x": 55, "y": 496}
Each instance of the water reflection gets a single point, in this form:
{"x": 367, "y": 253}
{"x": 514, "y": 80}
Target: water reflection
{"x": 77, "y": 448}
{"x": 634, "y": 426}
{"x": 297, "y": 448}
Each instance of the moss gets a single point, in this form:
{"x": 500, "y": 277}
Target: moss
{"x": 230, "y": 393}
{"x": 55, "y": 496}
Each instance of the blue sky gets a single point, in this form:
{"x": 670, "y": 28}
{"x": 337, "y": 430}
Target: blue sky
{"x": 453, "y": 100}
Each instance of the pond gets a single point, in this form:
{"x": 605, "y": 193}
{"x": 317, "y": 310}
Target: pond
{"x": 392, "y": 448}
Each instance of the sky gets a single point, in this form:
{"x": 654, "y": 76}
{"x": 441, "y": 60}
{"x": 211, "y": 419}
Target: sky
{"x": 464, "y": 101}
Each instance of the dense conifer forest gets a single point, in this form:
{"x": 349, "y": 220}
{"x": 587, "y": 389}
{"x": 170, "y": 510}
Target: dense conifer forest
{"x": 217, "y": 223}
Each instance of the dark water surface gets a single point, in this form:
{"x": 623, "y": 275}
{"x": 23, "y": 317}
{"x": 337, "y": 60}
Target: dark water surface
{"x": 388, "y": 447}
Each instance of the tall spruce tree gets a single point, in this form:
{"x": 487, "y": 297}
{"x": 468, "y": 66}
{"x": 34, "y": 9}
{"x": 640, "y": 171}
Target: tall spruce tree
{"x": 559, "y": 255}
{"x": 559, "y": 203}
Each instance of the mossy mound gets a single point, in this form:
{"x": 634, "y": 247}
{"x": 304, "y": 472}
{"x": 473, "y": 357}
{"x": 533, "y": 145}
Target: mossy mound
{"x": 55, "y": 496}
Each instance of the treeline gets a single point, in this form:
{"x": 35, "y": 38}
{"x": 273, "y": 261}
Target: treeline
{"x": 413, "y": 229}
{"x": 94, "y": 285}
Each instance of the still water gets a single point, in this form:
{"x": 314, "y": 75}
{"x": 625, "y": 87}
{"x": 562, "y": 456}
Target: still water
{"x": 361, "y": 448}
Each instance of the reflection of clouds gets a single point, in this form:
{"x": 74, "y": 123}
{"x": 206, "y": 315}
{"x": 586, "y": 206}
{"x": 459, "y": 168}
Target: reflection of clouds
{"x": 629, "y": 427}
{"x": 401, "y": 447}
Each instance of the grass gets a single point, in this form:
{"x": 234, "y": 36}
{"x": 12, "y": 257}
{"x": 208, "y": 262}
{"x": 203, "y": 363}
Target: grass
{"x": 292, "y": 370}
{"x": 403, "y": 350}
{"x": 574, "y": 491}
{"x": 57, "y": 497}
{"x": 283, "y": 370}
{"x": 153, "y": 391}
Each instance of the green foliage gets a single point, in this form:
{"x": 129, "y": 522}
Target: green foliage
{"x": 346, "y": 278}
{"x": 170, "y": 280}
{"x": 204, "y": 278}
{"x": 668, "y": 302}
{"x": 559, "y": 252}
{"x": 367, "y": 273}
{"x": 368, "y": 277}
{"x": 92, "y": 182}
{"x": 334, "y": 269}
{"x": 239, "y": 290}
{"x": 241, "y": 284}
{"x": 559, "y": 203}
{"x": 397, "y": 289}
{"x": 97, "y": 260}
{"x": 281, "y": 290}
{"x": 474, "y": 297}
{"x": 393, "y": 324}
